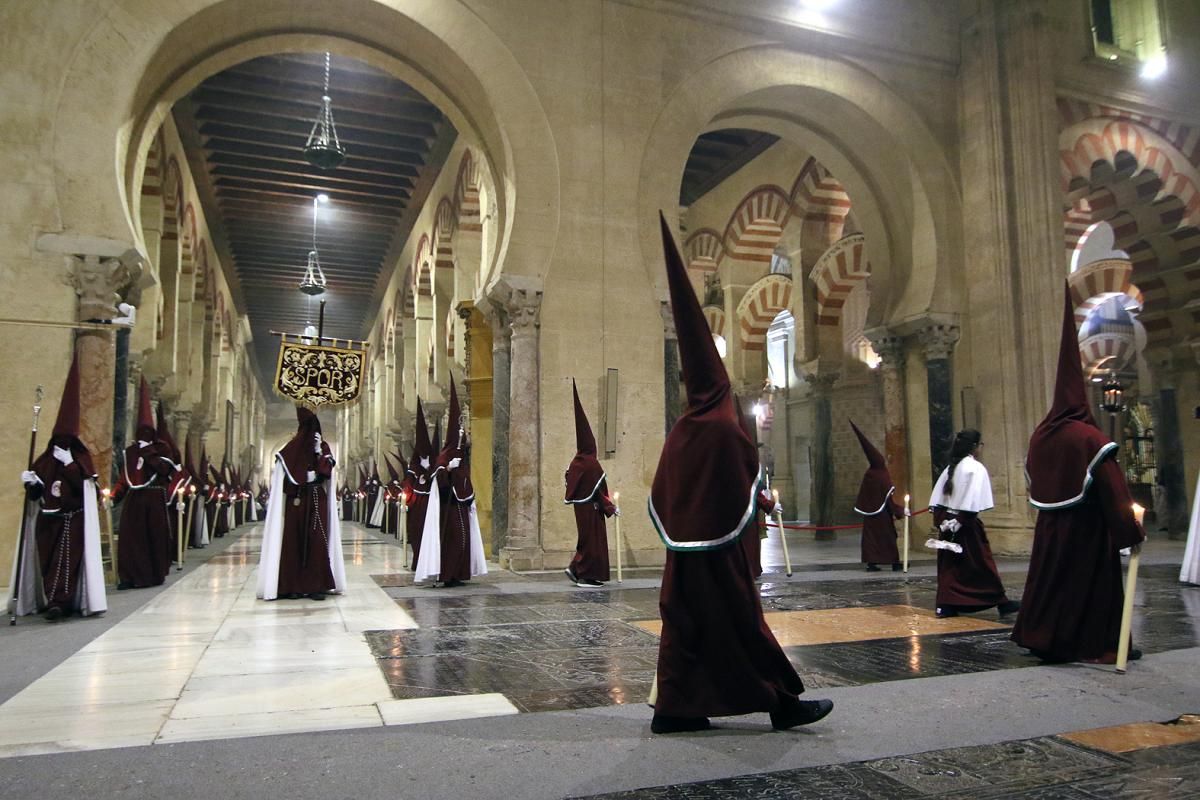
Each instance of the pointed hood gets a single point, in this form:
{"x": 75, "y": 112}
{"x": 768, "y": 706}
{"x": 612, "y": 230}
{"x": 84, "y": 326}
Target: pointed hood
{"x": 66, "y": 429}
{"x": 450, "y": 449}
{"x": 1067, "y": 445}
{"x": 393, "y": 476}
{"x": 456, "y": 446}
{"x": 437, "y": 438}
{"x": 877, "y": 485}
{"x": 704, "y": 489}
{"x": 584, "y": 473}
{"x": 145, "y": 428}
{"x": 299, "y": 456}
{"x": 164, "y": 433}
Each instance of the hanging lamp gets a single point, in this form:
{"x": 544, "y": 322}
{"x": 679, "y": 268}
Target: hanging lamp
{"x": 323, "y": 150}
{"x": 314, "y": 277}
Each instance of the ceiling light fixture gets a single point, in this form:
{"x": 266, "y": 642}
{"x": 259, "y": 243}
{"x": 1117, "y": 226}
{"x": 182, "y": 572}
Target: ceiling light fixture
{"x": 323, "y": 150}
{"x": 314, "y": 277}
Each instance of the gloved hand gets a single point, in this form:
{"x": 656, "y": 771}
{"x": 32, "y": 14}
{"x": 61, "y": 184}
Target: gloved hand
{"x": 455, "y": 462}
{"x": 30, "y": 478}
{"x": 311, "y": 476}
{"x": 617, "y": 511}
{"x": 317, "y": 443}
{"x": 778, "y": 509}
{"x": 63, "y": 455}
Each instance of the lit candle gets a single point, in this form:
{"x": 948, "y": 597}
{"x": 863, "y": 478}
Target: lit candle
{"x": 1138, "y": 513}
{"x": 616, "y": 498}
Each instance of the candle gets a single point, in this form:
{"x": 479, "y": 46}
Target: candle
{"x": 1138, "y": 513}
{"x": 616, "y": 497}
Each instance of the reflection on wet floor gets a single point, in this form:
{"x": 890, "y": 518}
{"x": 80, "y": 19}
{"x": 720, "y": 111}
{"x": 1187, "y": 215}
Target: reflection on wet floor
{"x": 552, "y": 650}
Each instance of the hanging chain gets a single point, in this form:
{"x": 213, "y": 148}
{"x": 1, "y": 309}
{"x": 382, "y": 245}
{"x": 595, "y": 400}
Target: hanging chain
{"x": 325, "y": 95}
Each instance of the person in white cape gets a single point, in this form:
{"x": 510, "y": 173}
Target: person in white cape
{"x": 1190, "y": 572}
{"x": 302, "y": 535}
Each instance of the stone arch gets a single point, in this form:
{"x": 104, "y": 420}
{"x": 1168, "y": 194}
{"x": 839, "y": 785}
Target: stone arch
{"x": 1093, "y": 283}
{"x": 444, "y": 50}
{"x": 756, "y": 224}
{"x": 884, "y": 154}
{"x": 837, "y": 272}
{"x": 759, "y": 307}
{"x": 423, "y": 267}
{"x": 466, "y": 194}
{"x": 704, "y": 250}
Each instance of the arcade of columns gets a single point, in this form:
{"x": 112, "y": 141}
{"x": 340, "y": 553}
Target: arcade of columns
{"x": 929, "y": 195}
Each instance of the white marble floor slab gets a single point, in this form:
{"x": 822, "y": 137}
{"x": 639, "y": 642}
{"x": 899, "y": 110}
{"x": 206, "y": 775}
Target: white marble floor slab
{"x": 205, "y": 659}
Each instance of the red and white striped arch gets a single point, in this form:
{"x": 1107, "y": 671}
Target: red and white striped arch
{"x": 715, "y": 316}
{"x": 423, "y": 267}
{"x": 1093, "y": 284}
{"x": 757, "y": 224}
{"x": 466, "y": 194}
{"x": 443, "y": 229}
{"x": 1106, "y": 351}
{"x": 704, "y": 250}
{"x": 839, "y": 269}
{"x": 819, "y": 195}
{"x": 759, "y": 307}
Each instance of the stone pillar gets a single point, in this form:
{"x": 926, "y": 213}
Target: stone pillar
{"x": 99, "y": 283}
{"x": 671, "y": 377}
{"x": 938, "y": 340}
{"x": 821, "y": 453}
{"x": 890, "y": 350}
{"x": 1168, "y": 451}
{"x": 183, "y": 428}
{"x": 523, "y": 549}
{"x": 501, "y": 362}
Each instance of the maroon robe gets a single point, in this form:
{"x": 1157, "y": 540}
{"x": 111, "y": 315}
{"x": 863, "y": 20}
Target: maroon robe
{"x": 419, "y": 481}
{"x": 59, "y": 529}
{"x": 590, "y": 561}
{"x": 455, "y": 528}
{"x": 879, "y": 534}
{"x": 304, "y": 551}
{"x": 717, "y": 657}
{"x": 144, "y": 542}
{"x": 1073, "y": 598}
{"x": 967, "y": 581}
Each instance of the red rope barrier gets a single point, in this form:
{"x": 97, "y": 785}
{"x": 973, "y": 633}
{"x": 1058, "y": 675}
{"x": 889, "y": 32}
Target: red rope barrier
{"x": 831, "y": 527}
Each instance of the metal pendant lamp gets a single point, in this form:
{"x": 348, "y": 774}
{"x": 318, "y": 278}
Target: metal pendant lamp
{"x": 323, "y": 150}
{"x": 314, "y": 277}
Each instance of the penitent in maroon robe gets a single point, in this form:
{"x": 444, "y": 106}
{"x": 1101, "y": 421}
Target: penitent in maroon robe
{"x": 304, "y": 567}
{"x": 716, "y": 657}
{"x": 1073, "y": 598}
{"x": 419, "y": 482}
{"x": 144, "y": 543}
{"x": 587, "y": 493}
{"x": 877, "y": 504}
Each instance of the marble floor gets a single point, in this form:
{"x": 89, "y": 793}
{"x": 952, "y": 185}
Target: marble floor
{"x": 203, "y": 661}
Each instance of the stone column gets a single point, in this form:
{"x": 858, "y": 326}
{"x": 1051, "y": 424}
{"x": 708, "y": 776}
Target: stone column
{"x": 1168, "y": 450}
{"x": 671, "y": 376}
{"x": 821, "y": 507}
{"x": 99, "y": 283}
{"x": 501, "y": 361}
{"x": 890, "y": 350}
{"x": 938, "y": 340}
{"x": 464, "y": 313}
{"x": 523, "y": 549}
{"x": 183, "y": 428}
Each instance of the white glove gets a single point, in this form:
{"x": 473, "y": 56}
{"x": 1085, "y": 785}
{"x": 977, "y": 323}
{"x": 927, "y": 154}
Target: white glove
{"x": 778, "y": 509}
{"x": 311, "y": 476}
{"x": 63, "y": 455}
{"x": 455, "y": 462}
{"x": 617, "y": 511}
{"x": 317, "y": 443}
{"x": 29, "y": 478}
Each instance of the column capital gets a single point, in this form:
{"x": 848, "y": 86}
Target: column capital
{"x": 100, "y": 282}
{"x": 938, "y": 339}
{"x": 821, "y": 383}
{"x": 521, "y": 299}
{"x": 888, "y": 345}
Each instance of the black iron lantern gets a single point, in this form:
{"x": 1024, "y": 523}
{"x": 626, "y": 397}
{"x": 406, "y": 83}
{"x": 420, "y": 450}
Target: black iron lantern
{"x": 323, "y": 150}
{"x": 313, "y": 282}
{"x": 1113, "y": 395}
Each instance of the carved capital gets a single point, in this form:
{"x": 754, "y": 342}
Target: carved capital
{"x": 821, "y": 383}
{"x": 938, "y": 340}
{"x": 888, "y": 346}
{"x": 524, "y": 308}
{"x": 99, "y": 283}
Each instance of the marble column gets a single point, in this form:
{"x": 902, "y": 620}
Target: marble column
{"x": 522, "y": 549}
{"x": 938, "y": 341}
{"x": 821, "y": 453}
{"x": 501, "y": 360}
{"x": 1168, "y": 453}
{"x": 464, "y": 313}
{"x": 671, "y": 378}
{"x": 182, "y": 421}
{"x": 99, "y": 283}
{"x": 890, "y": 350}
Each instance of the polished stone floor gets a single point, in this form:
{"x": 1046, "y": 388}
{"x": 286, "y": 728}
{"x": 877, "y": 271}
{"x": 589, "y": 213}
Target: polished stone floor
{"x": 202, "y": 661}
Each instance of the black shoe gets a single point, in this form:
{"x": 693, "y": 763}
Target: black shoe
{"x": 291, "y": 596}
{"x": 571, "y": 575}
{"x": 872, "y": 568}
{"x": 451, "y": 584}
{"x": 316, "y": 596}
{"x": 661, "y": 723}
{"x": 53, "y": 614}
{"x": 123, "y": 585}
{"x": 590, "y": 583}
{"x": 1008, "y": 607}
{"x": 805, "y": 712}
{"x": 897, "y": 567}
{"x": 943, "y": 613}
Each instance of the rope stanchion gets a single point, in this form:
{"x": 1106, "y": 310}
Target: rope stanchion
{"x": 830, "y": 527}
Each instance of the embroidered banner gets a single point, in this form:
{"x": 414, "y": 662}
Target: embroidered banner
{"x": 319, "y": 377}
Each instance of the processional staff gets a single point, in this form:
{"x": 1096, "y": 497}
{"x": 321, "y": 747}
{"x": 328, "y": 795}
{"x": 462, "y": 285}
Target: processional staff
{"x": 37, "y": 411}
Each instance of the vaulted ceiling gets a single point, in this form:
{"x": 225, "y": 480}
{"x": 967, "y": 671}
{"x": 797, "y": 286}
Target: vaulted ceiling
{"x": 244, "y": 130}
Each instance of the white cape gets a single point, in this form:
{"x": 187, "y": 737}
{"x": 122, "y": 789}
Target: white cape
{"x": 1190, "y": 573}
{"x": 272, "y": 541}
{"x": 253, "y": 510}
{"x": 972, "y": 488}
{"x": 429, "y": 560}
{"x": 377, "y": 511}
{"x": 200, "y": 522}
{"x": 90, "y": 596}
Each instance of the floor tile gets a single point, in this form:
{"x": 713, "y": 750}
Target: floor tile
{"x": 232, "y": 726}
{"x": 444, "y": 709}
